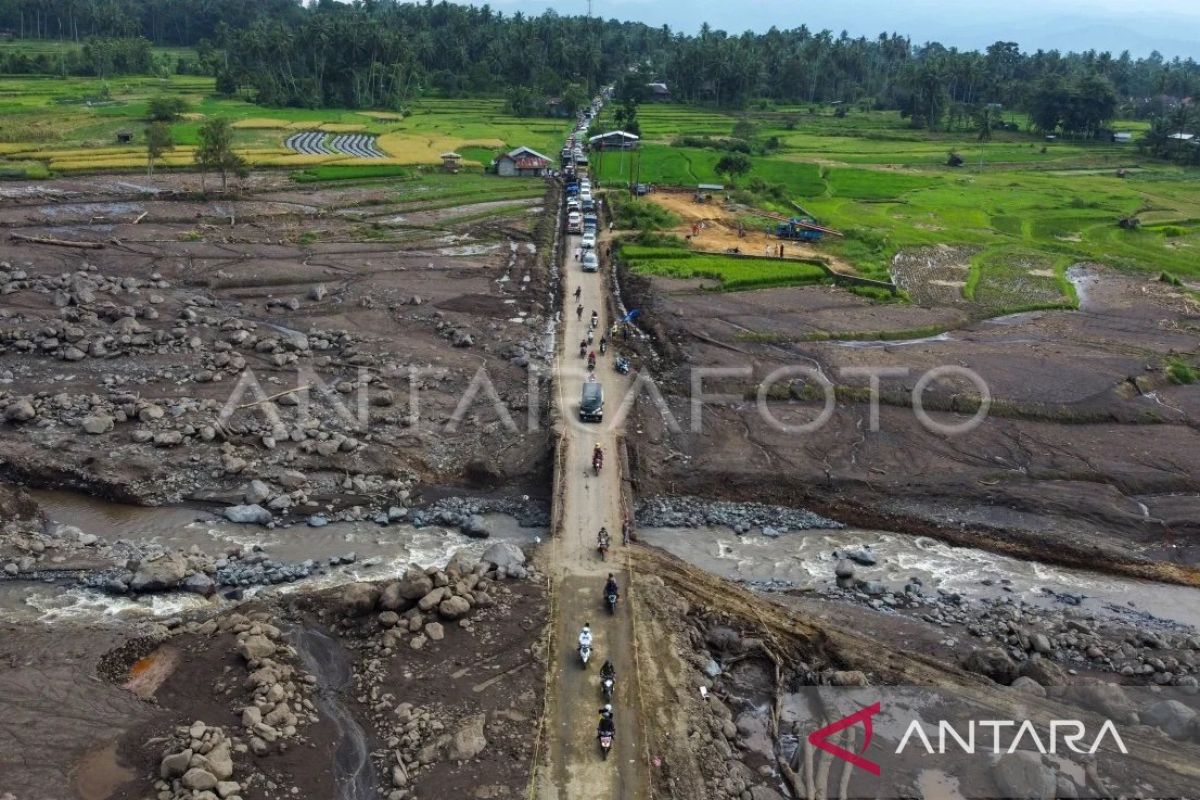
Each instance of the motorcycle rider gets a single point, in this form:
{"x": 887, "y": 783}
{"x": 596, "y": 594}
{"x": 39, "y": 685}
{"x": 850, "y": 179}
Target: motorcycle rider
{"x": 610, "y": 587}
{"x": 595, "y": 318}
{"x": 590, "y": 335}
{"x": 582, "y": 347}
{"x": 603, "y": 344}
{"x": 598, "y": 454}
{"x": 579, "y": 311}
{"x": 602, "y": 539}
{"x": 591, "y": 359}
{"x": 606, "y": 726}
{"x": 585, "y": 635}
{"x": 608, "y": 671}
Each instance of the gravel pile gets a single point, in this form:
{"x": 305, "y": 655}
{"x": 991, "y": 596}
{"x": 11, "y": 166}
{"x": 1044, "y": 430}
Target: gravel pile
{"x": 465, "y": 513}
{"x": 693, "y": 512}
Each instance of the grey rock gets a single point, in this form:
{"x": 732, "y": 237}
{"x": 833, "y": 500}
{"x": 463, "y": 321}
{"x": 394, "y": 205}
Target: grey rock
{"x": 19, "y": 411}
{"x": 199, "y": 779}
{"x": 248, "y": 514}
{"x": 256, "y": 492}
{"x": 468, "y": 741}
{"x": 1171, "y": 715}
{"x": 175, "y": 764}
{"x": 503, "y": 554}
{"x": 992, "y": 662}
{"x": 159, "y": 574}
{"x": 1023, "y": 776}
{"x": 358, "y": 599}
{"x": 97, "y": 424}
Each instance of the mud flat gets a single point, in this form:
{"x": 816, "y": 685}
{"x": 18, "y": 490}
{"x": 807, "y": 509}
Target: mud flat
{"x": 1087, "y": 456}
{"x": 157, "y": 366}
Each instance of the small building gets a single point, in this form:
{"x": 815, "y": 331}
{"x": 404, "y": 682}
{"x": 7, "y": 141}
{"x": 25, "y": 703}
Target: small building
{"x": 523, "y": 162}
{"x": 556, "y": 108}
{"x": 1181, "y": 137}
{"x": 614, "y": 140}
{"x": 124, "y": 137}
{"x": 1122, "y": 137}
{"x": 658, "y": 92}
{"x": 451, "y": 162}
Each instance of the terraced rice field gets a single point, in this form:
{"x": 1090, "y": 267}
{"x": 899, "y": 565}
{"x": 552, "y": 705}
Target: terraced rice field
{"x": 49, "y": 124}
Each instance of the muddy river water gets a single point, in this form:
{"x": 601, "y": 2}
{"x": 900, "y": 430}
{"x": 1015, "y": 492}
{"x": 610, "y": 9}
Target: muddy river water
{"x": 380, "y": 552}
{"x": 805, "y": 560}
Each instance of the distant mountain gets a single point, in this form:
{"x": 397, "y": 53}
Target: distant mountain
{"x": 1113, "y": 25}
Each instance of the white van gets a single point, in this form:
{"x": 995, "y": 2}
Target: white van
{"x": 575, "y": 222}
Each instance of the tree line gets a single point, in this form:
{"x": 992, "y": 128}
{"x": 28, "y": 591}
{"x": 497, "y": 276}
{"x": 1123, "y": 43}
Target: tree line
{"x": 383, "y": 53}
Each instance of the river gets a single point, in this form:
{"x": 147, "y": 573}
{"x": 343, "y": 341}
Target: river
{"x": 805, "y": 560}
{"x": 381, "y": 552}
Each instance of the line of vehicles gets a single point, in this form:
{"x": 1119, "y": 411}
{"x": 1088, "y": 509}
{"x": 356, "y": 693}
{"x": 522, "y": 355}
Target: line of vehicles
{"x": 583, "y": 221}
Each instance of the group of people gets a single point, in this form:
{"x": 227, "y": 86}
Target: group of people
{"x": 585, "y": 344}
{"x": 607, "y": 724}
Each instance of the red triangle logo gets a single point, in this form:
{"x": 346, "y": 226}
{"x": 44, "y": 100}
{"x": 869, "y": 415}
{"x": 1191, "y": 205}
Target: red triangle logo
{"x": 820, "y": 738}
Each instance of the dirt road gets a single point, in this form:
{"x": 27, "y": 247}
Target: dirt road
{"x": 573, "y": 766}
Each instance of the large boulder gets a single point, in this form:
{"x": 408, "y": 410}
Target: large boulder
{"x": 461, "y": 563}
{"x": 860, "y": 555}
{"x": 252, "y": 514}
{"x": 476, "y": 527}
{"x": 1171, "y": 715}
{"x": 1106, "y": 699}
{"x": 453, "y": 608}
{"x": 19, "y": 411}
{"x": 199, "y": 779}
{"x": 1044, "y": 671}
{"x": 256, "y": 492}
{"x": 414, "y": 584}
{"x": 256, "y": 647}
{"x": 431, "y": 600}
{"x": 992, "y": 662}
{"x": 97, "y": 424}
{"x": 175, "y": 764}
{"x": 1023, "y": 776}
{"x": 469, "y": 740}
{"x": 358, "y": 599}
{"x": 503, "y": 555}
{"x": 159, "y": 574}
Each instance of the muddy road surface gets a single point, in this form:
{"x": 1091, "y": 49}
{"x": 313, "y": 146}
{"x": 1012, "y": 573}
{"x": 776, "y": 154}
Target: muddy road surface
{"x": 574, "y": 767}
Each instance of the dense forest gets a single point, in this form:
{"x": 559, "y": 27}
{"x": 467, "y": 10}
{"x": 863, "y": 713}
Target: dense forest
{"x": 383, "y": 53}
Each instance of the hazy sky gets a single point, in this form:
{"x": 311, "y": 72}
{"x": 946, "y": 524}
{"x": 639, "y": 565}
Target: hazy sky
{"x": 1170, "y": 26}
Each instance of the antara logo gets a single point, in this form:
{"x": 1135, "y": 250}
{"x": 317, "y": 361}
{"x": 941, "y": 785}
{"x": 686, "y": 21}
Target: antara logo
{"x": 1069, "y": 732}
{"x": 1072, "y": 732}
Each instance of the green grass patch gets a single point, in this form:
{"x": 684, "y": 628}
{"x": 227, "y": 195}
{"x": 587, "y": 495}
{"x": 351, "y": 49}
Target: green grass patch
{"x": 732, "y": 273}
{"x": 643, "y": 215}
{"x": 1180, "y": 373}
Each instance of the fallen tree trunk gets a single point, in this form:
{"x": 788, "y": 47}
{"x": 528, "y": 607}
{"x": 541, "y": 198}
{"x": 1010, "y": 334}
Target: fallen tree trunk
{"x": 21, "y": 237}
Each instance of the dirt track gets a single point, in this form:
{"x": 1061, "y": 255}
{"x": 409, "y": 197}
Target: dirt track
{"x": 719, "y": 234}
{"x": 574, "y": 767}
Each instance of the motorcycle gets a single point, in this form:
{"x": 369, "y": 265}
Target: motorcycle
{"x": 602, "y": 547}
{"x": 606, "y": 741}
{"x": 591, "y": 362}
{"x": 606, "y": 686}
{"x": 621, "y": 365}
{"x": 597, "y": 461}
{"x": 603, "y": 346}
{"x": 583, "y": 349}
{"x": 585, "y": 653}
{"x": 610, "y": 602}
